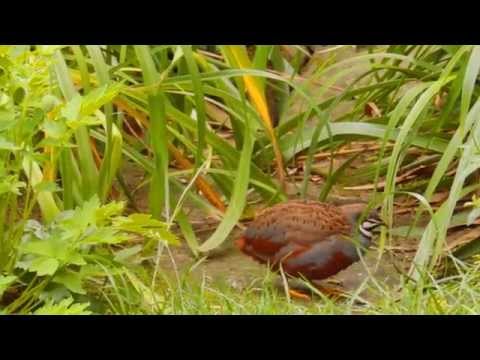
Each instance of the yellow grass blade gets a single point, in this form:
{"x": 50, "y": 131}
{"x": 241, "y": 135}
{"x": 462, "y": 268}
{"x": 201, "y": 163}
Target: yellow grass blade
{"x": 257, "y": 96}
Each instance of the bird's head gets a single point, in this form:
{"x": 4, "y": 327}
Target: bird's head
{"x": 366, "y": 224}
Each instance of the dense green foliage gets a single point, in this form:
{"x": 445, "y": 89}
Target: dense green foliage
{"x": 73, "y": 117}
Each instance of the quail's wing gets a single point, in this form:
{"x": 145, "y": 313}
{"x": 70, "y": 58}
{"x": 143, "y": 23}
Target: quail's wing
{"x": 314, "y": 224}
{"x": 297, "y": 222}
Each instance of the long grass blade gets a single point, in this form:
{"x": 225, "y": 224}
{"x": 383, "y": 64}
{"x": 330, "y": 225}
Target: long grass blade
{"x": 159, "y": 190}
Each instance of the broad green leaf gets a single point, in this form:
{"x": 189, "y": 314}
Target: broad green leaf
{"x": 82, "y": 217}
{"x": 108, "y": 211}
{"x": 44, "y": 266}
{"x": 95, "y": 99}
{"x": 71, "y": 111}
{"x": 75, "y": 258}
{"x": 71, "y": 280}
{"x": 54, "y": 129}
{"x": 65, "y": 307}
{"x": 105, "y": 235}
{"x": 145, "y": 225}
{"x": 40, "y": 247}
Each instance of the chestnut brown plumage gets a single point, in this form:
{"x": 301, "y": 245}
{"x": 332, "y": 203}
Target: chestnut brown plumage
{"x": 308, "y": 238}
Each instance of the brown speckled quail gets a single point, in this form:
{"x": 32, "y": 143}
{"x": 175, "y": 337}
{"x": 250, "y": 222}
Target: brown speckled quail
{"x": 309, "y": 239}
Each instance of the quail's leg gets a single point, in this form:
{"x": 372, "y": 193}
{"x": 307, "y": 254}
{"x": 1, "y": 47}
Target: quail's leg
{"x": 295, "y": 288}
{"x": 299, "y": 290}
{"x": 297, "y": 294}
{"x": 333, "y": 292}
{"x": 330, "y": 292}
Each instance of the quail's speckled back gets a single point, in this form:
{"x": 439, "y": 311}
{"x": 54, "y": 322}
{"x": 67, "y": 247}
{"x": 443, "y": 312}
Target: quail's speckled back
{"x": 309, "y": 238}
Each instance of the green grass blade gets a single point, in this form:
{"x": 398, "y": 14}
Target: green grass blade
{"x": 101, "y": 70}
{"x": 159, "y": 191}
{"x": 199, "y": 103}
{"x": 239, "y": 197}
{"x": 432, "y": 240}
{"x": 87, "y": 163}
{"x": 332, "y": 179}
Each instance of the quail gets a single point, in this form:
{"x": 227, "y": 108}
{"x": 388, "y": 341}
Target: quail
{"x": 309, "y": 239}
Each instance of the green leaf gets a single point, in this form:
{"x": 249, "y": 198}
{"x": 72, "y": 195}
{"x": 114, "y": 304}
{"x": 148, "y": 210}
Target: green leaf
{"x": 71, "y": 111}
{"x": 138, "y": 222}
{"x": 199, "y": 102}
{"x": 145, "y": 225}
{"x": 127, "y": 253}
{"x": 50, "y": 186}
{"x": 7, "y": 145}
{"x": 49, "y": 102}
{"x": 71, "y": 280}
{"x": 7, "y": 119}
{"x": 187, "y": 231}
{"x": 49, "y": 50}
{"x": 7, "y": 112}
{"x": 75, "y": 258}
{"x": 92, "y": 270}
{"x": 239, "y": 196}
{"x": 95, "y": 99}
{"x": 82, "y": 217}
{"x": 86, "y": 161}
{"x": 45, "y": 200}
{"x": 54, "y": 129}
{"x": 292, "y": 144}
{"x": 159, "y": 191}
{"x": 105, "y": 235}
{"x": 65, "y": 307}
{"x": 39, "y": 247}
{"x": 56, "y": 245}
{"x": 84, "y": 121}
{"x": 432, "y": 240}
{"x": 11, "y": 185}
{"x": 5, "y": 282}
{"x": 44, "y": 266}
{"x": 108, "y": 211}
{"x": 332, "y": 179}
{"x": 4, "y": 100}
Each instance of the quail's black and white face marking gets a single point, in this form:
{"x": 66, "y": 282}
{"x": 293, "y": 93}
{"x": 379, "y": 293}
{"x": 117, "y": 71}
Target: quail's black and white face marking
{"x": 368, "y": 225}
